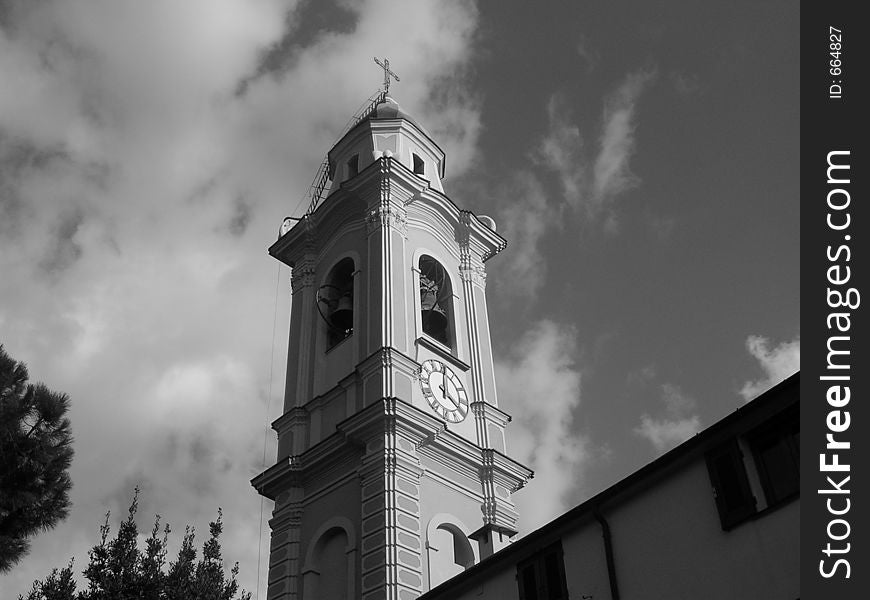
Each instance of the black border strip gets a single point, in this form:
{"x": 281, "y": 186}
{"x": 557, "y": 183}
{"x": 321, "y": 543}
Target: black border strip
{"x": 832, "y": 121}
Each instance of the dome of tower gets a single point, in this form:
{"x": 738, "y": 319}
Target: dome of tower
{"x": 390, "y": 109}
{"x": 384, "y": 129}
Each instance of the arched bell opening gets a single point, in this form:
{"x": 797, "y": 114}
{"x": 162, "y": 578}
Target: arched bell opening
{"x": 335, "y": 302}
{"x": 435, "y": 300}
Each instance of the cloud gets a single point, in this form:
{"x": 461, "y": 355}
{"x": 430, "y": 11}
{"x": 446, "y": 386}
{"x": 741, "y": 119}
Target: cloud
{"x": 561, "y": 150}
{"x": 685, "y": 83}
{"x": 588, "y": 186}
{"x": 777, "y": 363}
{"x": 590, "y": 181}
{"x": 611, "y": 171}
{"x": 589, "y": 56}
{"x": 676, "y": 426}
{"x": 524, "y": 221}
{"x": 539, "y": 384}
{"x": 668, "y": 433}
{"x": 146, "y": 161}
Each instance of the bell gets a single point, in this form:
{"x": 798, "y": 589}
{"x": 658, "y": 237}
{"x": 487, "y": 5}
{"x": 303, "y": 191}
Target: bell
{"x": 428, "y": 300}
{"x": 428, "y": 294}
{"x": 342, "y": 316}
{"x": 435, "y": 323}
{"x": 434, "y": 316}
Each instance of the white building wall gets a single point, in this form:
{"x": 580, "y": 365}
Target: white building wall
{"x": 668, "y": 544}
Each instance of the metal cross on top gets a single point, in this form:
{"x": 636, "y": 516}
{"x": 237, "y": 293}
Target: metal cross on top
{"x": 387, "y": 72}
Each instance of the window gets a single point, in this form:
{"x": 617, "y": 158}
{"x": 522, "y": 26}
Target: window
{"x": 731, "y": 489}
{"x": 542, "y": 576}
{"x": 352, "y": 166}
{"x": 435, "y": 299}
{"x": 419, "y": 168}
{"x": 335, "y": 302}
{"x": 775, "y": 448}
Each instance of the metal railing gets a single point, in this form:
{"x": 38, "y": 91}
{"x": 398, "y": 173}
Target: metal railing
{"x": 318, "y": 186}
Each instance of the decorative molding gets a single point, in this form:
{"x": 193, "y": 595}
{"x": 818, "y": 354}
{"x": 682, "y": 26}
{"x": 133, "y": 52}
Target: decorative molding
{"x": 387, "y": 215}
{"x": 302, "y": 275}
{"x": 490, "y": 413}
{"x": 296, "y": 416}
{"x": 431, "y": 438}
{"x": 442, "y": 351}
{"x": 288, "y": 517}
{"x": 470, "y": 265}
{"x": 475, "y": 274}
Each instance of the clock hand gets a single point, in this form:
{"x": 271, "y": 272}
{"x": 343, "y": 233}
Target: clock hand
{"x": 446, "y": 397}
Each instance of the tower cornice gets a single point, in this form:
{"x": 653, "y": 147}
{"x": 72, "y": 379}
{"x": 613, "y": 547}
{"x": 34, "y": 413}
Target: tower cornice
{"x": 424, "y": 431}
{"x": 423, "y": 204}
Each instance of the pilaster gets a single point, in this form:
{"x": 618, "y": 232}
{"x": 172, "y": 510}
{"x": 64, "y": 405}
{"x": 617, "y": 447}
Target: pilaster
{"x": 386, "y": 229}
{"x": 284, "y": 554}
{"x": 301, "y": 345}
{"x": 499, "y": 478}
{"x": 392, "y": 560}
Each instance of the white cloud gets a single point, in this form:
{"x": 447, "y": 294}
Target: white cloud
{"x": 777, "y": 363}
{"x": 140, "y": 183}
{"x": 539, "y": 384}
{"x": 668, "y": 433}
{"x": 591, "y": 182}
{"x": 561, "y": 150}
{"x": 524, "y": 221}
{"x": 588, "y": 186}
{"x": 611, "y": 172}
{"x": 588, "y": 55}
{"x": 676, "y": 426}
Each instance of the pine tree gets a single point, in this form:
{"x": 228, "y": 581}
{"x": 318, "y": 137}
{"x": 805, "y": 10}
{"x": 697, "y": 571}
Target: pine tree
{"x": 59, "y": 585}
{"x": 35, "y": 455}
{"x": 119, "y": 570}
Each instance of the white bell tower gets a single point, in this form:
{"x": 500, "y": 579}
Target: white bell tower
{"x": 392, "y": 472}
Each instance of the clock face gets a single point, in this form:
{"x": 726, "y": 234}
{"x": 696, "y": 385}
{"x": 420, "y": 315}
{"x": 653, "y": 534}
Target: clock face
{"x": 443, "y": 391}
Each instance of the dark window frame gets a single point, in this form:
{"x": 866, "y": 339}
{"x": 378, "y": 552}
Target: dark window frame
{"x": 352, "y": 166}
{"x": 542, "y": 575}
{"x": 731, "y": 489}
{"x": 783, "y": 431}
{"x": 418, "y": 165}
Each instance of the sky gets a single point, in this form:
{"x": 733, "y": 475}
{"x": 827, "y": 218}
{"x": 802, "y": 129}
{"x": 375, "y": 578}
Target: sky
{"x": 640, "y": 158}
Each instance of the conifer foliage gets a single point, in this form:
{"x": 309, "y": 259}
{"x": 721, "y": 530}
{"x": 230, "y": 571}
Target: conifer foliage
{"x": 35, "y": 455}
{"x": 119, "y": 570}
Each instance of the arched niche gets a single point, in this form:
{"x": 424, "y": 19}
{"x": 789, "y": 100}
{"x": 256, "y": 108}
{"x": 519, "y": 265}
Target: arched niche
{"x": 448, "y": 548}
{"x": 329, "y": 570}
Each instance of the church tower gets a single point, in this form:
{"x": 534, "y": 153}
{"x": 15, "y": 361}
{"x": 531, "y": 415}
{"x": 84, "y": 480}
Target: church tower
{"x": 392, "y": 472}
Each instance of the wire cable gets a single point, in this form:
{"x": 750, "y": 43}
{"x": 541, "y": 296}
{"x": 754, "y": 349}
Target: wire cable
{"x": 266, "y": 426}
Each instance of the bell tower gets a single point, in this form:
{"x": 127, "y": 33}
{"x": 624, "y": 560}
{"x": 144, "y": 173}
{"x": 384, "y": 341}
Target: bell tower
{"x": 392, "y": 472}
